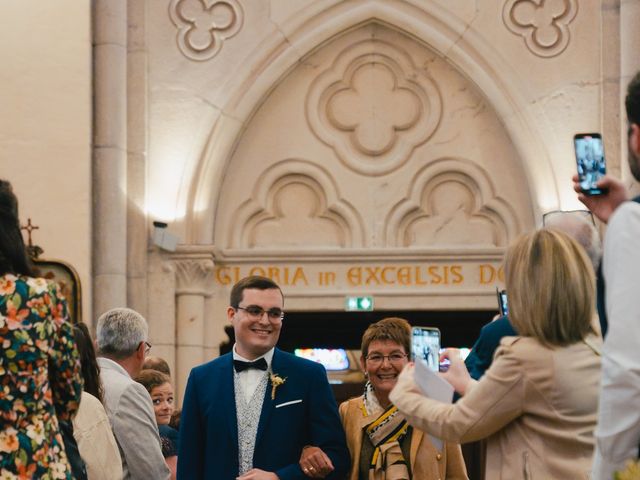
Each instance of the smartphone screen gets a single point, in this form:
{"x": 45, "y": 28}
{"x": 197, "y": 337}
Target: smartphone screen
{"x": 590, "y": 160}
{"x": 503, "y": 303}
{"x": 425, "y": 344}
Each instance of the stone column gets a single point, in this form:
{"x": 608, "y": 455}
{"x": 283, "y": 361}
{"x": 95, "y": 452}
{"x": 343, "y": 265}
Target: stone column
{"x": 161, "y": 307}
{"x": 194, "y": 283}
{"x": 109, "y": 155}
{"x": 137, "y": 225}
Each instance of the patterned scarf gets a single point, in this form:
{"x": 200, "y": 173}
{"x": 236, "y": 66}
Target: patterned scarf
{"x": 385, "y": 433}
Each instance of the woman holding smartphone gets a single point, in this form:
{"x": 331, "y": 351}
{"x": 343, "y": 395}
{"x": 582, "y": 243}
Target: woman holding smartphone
{"x": 381, "y": 442}
{"x": 537, "y": 403}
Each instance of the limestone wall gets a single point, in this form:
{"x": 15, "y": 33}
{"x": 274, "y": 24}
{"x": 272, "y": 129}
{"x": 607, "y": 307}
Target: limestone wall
{"x": 45, "y": 124}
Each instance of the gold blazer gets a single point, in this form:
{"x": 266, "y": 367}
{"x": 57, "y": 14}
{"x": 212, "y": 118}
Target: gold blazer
{"x": 425, "y": 460}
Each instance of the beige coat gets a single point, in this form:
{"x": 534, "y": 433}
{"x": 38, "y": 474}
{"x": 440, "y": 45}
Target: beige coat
{"x": 535, "y": 405}
{"x": 426, "y": 462}
{"x": 97, "y": 445}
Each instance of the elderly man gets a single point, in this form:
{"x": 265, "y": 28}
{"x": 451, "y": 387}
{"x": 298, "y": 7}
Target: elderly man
{"x": 121, "y": 337}
{"x": 250, "y": 413}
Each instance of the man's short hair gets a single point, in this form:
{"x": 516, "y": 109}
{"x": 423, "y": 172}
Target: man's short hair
{"x": 551, "y": 288}
{"x": 632, "y": 102}
{"x": 394, "y": 329}
{"x": 120, "y": 332}
{"x": 253, "y": 282}
{"x": 156, "y": 363}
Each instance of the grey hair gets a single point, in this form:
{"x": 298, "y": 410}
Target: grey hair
{"x": 582, "y": 231}
{"x": 120, "y": 332}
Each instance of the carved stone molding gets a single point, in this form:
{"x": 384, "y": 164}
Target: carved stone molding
{"x": 451, "y": 202}
{"x": 373, "y": 106}
{"x": 204, "y": 25}
{"x": 194, "y": 274}
{"x": 295, "y": 204}
{"x": 544, "y": 24}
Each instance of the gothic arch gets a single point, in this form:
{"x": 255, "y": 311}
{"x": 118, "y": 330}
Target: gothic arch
{"x": 311, "y": 28}
{"x": 483, "y": 205}
{"x": 328, "y": 210}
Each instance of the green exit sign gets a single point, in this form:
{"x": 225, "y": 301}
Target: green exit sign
{"x": 358, "y": 304}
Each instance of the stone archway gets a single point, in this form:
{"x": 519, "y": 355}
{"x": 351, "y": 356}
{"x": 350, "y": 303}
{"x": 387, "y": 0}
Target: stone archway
{"x": 378, "y": 136}
{"x": 445, "y": 34}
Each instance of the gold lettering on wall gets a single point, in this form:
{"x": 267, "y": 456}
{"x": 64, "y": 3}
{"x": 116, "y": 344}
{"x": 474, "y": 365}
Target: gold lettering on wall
{"x": 489, "y": 274}
{"x": 449, "y": 275}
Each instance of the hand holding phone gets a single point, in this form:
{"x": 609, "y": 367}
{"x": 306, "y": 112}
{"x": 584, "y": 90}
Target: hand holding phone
{"x": 590, "y": 162}
{"x": 603, "y": 206}
{"x": 457, "y": 374}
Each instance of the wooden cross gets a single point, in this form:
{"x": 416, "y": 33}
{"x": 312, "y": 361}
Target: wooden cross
{"x": 29, "y": 227}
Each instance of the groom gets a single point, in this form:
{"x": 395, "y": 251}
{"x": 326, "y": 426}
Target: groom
{"x": 248, "y": 414}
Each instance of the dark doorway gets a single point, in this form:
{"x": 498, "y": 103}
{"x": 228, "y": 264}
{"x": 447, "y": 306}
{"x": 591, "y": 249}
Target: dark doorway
{"x": 345, "y": 329}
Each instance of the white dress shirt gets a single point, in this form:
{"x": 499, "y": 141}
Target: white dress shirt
{"x": 618, "y": 430}
{"x": 250, "y": 378}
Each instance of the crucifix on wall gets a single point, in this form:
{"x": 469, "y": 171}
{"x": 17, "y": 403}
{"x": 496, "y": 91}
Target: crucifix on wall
{"x": 56, "y": 270}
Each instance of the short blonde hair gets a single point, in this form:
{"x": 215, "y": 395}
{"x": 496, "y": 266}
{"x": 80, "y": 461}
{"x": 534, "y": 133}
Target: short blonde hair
{"x": 551, "y": 286}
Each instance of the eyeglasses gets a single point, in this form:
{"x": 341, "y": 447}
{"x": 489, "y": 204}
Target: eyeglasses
{"x": 147, "y": 347}
{"x": 395, "y": 358}
{"x": 547, "y": 218}
{"x": 255, "y": 313}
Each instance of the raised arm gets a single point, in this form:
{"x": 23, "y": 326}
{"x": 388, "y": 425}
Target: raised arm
{"x": 490, "y": 405}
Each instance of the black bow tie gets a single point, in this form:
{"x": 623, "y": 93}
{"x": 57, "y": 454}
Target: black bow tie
{"x": 260, "y": 364}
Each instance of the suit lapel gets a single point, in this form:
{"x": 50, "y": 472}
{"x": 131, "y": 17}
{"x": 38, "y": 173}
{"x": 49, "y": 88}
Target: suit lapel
{"x": 277, "y": 368}
{"x": 227, "y": 389}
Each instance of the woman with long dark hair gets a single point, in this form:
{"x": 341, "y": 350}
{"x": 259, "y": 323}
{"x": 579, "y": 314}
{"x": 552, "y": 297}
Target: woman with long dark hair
{"x": 91, "y": 427}
{"x": 39, "y": 368}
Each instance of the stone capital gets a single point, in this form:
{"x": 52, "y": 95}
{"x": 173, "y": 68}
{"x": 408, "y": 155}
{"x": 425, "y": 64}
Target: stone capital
{"x": 194, "y": 276}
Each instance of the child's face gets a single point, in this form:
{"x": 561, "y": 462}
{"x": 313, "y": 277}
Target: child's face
{"x": 162, "y": 398}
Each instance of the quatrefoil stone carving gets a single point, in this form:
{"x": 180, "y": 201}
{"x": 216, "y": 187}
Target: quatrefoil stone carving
{"x": 204, "y": 25}
{"x": 544, "y": 24}
{"x": 373, "y": 106}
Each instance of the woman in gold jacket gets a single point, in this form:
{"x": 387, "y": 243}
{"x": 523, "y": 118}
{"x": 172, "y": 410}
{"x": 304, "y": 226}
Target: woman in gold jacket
{"x": 537, "y": 403}
{"x": 381, "y": 443}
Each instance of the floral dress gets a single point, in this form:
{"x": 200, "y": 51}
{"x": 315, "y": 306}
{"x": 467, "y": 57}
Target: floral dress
{"x": 40, "y": 379}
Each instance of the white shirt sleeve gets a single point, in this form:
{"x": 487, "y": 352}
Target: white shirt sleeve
{"x": 618, "y": 430}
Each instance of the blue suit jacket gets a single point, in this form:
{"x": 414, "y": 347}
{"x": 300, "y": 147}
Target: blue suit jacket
{"x": 209, "y": 432}
{"x": 481, "y": 356}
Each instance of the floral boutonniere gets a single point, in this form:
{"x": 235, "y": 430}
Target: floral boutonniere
{"x": 631, "y": 472}
{"x": 276, "y": 381}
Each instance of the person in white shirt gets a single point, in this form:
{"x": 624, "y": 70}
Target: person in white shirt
{"x": 618, "y": 430}
{"x": 121, "y": 337}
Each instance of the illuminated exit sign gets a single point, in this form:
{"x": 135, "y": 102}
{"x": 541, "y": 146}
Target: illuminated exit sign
{"x": 358, "y": 304}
